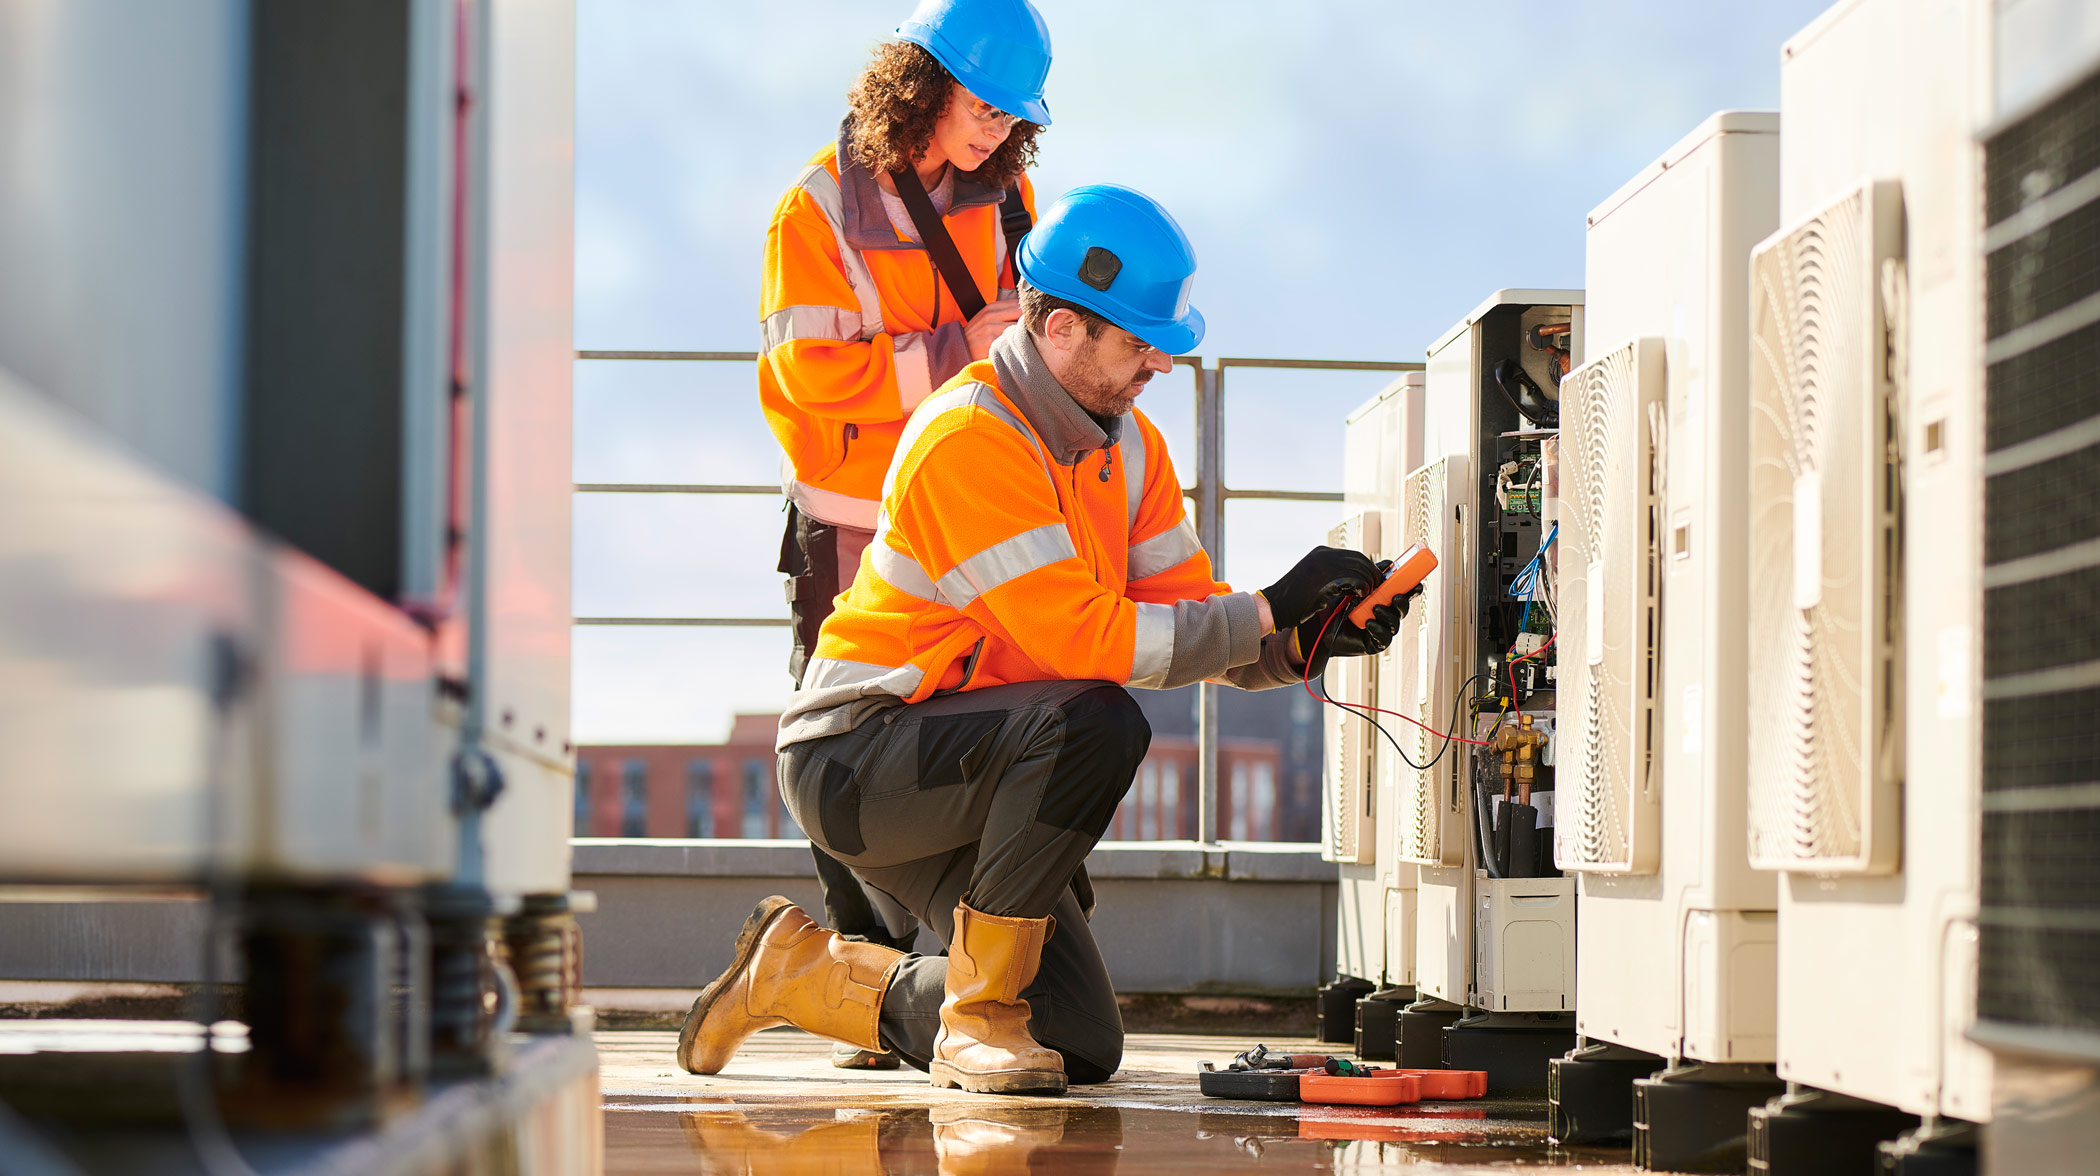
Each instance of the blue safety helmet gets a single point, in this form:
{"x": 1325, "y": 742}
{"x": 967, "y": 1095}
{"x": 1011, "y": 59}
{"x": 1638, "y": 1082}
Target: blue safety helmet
{"x": 1115, "y": 251}
{"x": 998, "y": 49}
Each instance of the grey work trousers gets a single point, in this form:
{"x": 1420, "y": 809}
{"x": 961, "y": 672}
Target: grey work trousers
{"x": 995, "y": 796}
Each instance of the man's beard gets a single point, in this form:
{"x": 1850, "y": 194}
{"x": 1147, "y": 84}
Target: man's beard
{"x": 1096, "y": 391}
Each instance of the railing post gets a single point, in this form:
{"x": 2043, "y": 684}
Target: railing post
{"x": 1210, "y": 528}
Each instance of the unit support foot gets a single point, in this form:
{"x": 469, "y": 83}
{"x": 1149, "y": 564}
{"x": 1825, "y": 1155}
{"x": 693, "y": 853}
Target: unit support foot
{"x": 1809, "y": 1132}
{"x": 1378, "y": 1023}
{"x": 1694, "y": 1116}
{"x": 1421, "y": 1033}
{"x": 1337, "y": 1008}
{"x": 1589, "y": 1093}
{"x": 1513, "y": 1048}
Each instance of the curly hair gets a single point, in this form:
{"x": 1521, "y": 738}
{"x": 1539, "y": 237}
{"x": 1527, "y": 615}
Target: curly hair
{"x": 897, "y": 101}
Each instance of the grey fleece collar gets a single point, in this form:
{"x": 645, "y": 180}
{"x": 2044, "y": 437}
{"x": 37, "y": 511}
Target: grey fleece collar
{"x": 1069, "y": 431}
{"x": 867, "y": 225}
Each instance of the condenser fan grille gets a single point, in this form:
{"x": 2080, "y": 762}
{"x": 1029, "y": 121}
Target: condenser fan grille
{"x": 1607, "y": 609}
{"x": 1823, "y": 761}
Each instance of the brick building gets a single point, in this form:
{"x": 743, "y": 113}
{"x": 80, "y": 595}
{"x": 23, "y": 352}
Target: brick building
{"x": 727, "y": 790}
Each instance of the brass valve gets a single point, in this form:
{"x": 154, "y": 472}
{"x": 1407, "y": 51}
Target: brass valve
{"x": 1518, "y": 747}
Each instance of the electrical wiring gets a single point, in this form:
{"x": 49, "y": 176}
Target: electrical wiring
{"x": 1516, "y": 657}
{"x": 1529, "y": 583}
{"x": 1358, "y": 709}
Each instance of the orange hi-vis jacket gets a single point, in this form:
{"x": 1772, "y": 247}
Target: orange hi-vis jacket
{"x": 1022, "y": 540}
{"x": 859, "y": 328}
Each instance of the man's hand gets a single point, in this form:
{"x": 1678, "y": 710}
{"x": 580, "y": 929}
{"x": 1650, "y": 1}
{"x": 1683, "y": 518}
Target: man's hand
{"x": 989, "y": 324}
{"x": 1318, "y": 579}
{"x": 1345, "y": 639}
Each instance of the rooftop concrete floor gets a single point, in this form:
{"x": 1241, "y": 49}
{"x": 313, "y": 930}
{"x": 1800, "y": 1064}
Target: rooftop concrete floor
{"x": 780, "y": 1107}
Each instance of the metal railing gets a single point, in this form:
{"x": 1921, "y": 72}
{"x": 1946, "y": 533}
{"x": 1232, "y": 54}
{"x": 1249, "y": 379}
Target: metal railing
{"x": 1208, "y": 489}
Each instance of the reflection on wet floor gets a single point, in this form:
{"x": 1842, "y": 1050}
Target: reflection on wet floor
{"x": 781, "y": 1112}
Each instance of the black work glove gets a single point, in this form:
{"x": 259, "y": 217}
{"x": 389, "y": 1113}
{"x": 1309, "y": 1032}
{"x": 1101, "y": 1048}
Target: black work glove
{"x": 1344, "y": 639}
{"x": 1319, "y": 579}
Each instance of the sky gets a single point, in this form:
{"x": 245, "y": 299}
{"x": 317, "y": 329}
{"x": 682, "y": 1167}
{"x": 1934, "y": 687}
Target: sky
{"x": 1354, "y": 176}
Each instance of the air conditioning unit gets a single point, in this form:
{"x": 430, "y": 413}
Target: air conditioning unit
{"x": 1429, "y": 818}
{"x": 1677, "y": 936}
{"x": 1867, "y": 433}
{"x": 2037, "y": 999}
{"x": 1375, "y": 903}
{"x": 1347, "y": 833}
{"x": 1480, "y": 501}
{"x": 1611, "y": 446}
{"x": 1825, "y": 696}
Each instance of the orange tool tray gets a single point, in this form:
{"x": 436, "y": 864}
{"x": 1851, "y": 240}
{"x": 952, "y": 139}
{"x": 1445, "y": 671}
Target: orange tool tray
{"x": 1379, "y": 1088}
{"x": 1442, "y": 1084}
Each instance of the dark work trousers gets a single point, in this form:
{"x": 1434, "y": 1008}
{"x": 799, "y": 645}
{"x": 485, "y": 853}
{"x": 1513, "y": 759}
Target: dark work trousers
{"x": 995, "y": 796}
{"x": 820, "y": 560}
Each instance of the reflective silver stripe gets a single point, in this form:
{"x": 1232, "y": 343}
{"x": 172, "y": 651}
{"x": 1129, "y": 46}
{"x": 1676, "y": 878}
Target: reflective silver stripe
{"x": 832, "y": 323}
{"x": 897, "y": 569}
{"x": 826, "y": 506}
{"x": 968, "y": 394}
{"x": 1133, "y": 458}
{"x": 825, "y": 673}
{"x": 1005, "y": 560}
{"x": 1169, "y": 549}
{"x": 1153, "y": 652}
{"x": 823, "y": 187}
{"x": 914, "y": 368}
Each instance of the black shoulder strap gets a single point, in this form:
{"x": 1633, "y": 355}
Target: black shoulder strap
{"x": 1015, "y": 222}
{"x": 939, "y": 245}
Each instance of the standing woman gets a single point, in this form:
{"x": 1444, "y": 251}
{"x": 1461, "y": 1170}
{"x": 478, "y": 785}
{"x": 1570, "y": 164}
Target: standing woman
{"x": 888, "y": 268}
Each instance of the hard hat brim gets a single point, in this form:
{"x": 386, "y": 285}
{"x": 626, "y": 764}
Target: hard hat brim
{"x": 1007, "y": 99}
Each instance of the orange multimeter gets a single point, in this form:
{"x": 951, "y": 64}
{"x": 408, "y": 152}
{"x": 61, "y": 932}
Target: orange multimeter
{"x": 1413, "y": 567}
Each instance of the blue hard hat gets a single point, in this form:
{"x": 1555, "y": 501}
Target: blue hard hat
{"x": 1115, "y": 251}
{"x": 998, "y": 49}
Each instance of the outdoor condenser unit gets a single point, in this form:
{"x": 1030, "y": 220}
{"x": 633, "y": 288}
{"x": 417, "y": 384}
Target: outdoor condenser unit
{"x": 1865, "y": 554}
{"x": 2039, "y": 991}
{"x": 1427, "y": 829}
{"x": 1677, "y": 934}
{"x": 1470, "y": 434}
{"x": 1375, "y": 939}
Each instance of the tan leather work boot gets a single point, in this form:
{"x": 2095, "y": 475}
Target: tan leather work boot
{"x": 788, "y": 971}
{"x": 984, "y": 1044}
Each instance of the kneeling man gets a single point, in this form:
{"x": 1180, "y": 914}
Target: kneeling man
{"x": 964, "y": 733}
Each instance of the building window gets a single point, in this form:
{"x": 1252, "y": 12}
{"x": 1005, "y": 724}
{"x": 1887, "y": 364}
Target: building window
{"x": 1170, "y": 801}
{"x": 1148, "y": 802}
{"x": 755, "y": 807}
{"x": 634, "y": 799}
{"x": 583, "y": 798}
{"x": 700, "y": 798}
{"x": 1238, "y": 801}
{"x": 1264, "y": 821}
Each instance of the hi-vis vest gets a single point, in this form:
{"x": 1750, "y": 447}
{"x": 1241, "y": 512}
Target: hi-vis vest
{"x": 993, "y": 563}
{"x": 858, "y": 328}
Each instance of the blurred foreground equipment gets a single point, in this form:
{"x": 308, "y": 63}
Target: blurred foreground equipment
{"x": 284, "y": 523}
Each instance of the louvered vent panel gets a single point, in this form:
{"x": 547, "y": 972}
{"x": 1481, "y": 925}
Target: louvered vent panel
{"x": 2039, "y": 979}
{"x": 1607, "y": 617}
{"x": 1347, "y": 833}
{"x": 1825, "y": 740}
{"x": 1427, "y": 813}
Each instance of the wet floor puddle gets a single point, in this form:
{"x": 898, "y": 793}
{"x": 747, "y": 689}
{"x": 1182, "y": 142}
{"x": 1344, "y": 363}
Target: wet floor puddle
{"x": 745, "y": 1135}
